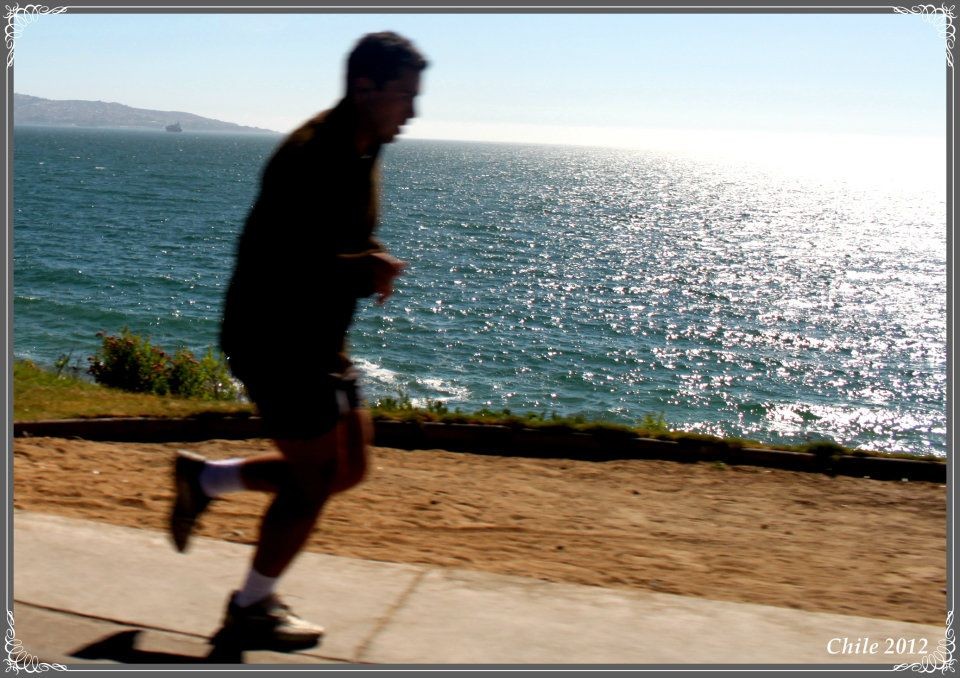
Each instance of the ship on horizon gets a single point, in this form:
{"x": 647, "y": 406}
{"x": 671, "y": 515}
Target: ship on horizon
{"x": 175, "y": 127}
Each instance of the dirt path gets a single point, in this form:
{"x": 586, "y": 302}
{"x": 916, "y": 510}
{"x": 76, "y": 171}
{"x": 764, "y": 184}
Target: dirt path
{"x": 802, "y": 540}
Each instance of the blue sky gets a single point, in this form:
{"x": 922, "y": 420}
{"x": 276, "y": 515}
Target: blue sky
{"x": 631, "y": 79}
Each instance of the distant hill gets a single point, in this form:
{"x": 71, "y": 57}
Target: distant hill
{"x": 32, "y": 110}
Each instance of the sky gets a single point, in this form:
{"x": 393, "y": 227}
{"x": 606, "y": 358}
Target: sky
{"x": 798, "y": 85}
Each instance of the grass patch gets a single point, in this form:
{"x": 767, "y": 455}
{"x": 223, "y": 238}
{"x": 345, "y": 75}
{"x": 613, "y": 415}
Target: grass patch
{"x": 40, "y": 394}
{"x": 652, "y": 425}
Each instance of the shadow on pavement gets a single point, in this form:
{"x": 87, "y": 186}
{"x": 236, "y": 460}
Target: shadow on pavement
{"x": 226, "y": 648}
{"x": 121, "y": 647}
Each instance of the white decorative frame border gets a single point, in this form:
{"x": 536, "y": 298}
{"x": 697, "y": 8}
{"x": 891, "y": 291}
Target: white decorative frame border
{"x": 18, "y": 659}
{"x": 20, "y": 17}
{"x": 948, "y": 30}
{"x": 941, "y": 659}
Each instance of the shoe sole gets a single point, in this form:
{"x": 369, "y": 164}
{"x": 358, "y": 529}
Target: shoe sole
{"x": 232, "y": 638}
{"x": 184, "y": 516}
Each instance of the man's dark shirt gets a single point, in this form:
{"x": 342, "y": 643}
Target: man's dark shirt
{"x": 300, "y": 265}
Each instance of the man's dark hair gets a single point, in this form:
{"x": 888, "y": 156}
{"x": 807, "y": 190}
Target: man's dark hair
{"x": 381, "y": 57}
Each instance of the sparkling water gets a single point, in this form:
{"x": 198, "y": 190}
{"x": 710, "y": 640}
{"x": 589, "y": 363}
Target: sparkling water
{"x": 610, "y": 284}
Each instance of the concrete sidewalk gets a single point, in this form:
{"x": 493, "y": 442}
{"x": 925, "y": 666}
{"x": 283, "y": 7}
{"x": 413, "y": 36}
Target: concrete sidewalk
{"x": 89, "y": 592}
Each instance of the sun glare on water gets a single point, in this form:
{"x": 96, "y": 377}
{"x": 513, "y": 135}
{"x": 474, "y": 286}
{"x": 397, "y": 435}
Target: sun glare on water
{"x": 857, "y": 159}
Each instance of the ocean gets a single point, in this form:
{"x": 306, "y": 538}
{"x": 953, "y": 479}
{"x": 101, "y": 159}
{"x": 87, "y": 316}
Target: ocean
{"x": 613, "y": 284}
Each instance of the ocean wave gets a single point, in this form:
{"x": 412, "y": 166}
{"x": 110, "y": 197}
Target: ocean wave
{"x": 373, "y": 372}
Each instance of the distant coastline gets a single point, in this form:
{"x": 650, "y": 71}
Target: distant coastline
{"x": 37, "y": 111}
{"x": 138, "y": 128}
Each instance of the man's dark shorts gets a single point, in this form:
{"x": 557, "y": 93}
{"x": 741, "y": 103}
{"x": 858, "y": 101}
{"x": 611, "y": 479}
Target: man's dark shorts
{"x": 301, "y": 406}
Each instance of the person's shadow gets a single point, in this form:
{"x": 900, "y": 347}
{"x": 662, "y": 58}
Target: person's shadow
{"x": 121, "y": 647}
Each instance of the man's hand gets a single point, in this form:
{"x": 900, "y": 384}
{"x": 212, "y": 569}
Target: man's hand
{"x": 385, "y": 269}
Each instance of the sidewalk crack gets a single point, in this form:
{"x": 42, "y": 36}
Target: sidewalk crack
{"x": 388, "y": 616}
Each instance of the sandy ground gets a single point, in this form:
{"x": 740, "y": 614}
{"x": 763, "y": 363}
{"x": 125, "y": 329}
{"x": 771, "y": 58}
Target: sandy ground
{"x": 802, "y": 540}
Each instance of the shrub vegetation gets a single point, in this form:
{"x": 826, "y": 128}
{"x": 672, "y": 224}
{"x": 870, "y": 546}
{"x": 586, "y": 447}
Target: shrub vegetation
{"x": 131, "y": 363}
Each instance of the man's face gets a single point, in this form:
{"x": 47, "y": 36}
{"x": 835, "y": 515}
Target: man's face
{"x": 387, "y": 109}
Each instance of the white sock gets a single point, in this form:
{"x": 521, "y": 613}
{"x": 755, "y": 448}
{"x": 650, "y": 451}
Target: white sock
{"x": 256, "y": 588}
{"x": 220, "y": 477}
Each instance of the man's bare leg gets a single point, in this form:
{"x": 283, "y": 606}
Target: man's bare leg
{"x": 304, "y": 475}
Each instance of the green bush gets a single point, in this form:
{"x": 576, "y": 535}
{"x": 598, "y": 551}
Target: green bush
{"x": 654, "y": 422}
{"x": 217, "y": 383}
{"x": 131, "y": 363}
{"x": 185, "y": 376}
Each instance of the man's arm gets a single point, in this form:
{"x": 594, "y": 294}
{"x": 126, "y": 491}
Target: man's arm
{"x": 372, "y": 271}
{"x": 293, "y": 186}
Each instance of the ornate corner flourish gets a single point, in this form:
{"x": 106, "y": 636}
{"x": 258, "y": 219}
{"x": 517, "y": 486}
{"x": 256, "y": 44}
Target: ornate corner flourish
{"x": 947, "y": 29}
{"x": 941, "y": 659}
{"x": 19, "y": 659}
{"x": 18, "y": 18}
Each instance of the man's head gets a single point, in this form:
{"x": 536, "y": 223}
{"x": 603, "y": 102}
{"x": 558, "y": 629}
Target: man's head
{"x": 380, "y": 57}
{"x": 383, "y": 79}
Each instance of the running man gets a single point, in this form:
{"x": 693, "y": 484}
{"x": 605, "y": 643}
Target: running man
{"x": 306, "y": 255}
